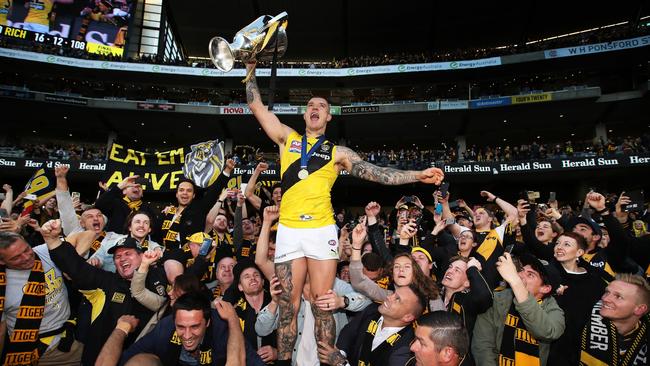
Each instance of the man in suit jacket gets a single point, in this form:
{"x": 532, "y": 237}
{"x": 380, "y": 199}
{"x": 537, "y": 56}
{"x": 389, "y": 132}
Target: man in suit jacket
{"x": 386, "y": 335}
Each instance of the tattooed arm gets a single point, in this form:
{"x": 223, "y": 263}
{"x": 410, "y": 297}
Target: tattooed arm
{"x": 349, "y": 160}
{"x": 276, "y": 130}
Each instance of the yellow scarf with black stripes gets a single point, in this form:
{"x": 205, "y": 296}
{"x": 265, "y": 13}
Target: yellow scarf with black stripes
{"x": 23, "y": 346}
{"x": 518, "y": 346}
{"x": 133, "y": 205}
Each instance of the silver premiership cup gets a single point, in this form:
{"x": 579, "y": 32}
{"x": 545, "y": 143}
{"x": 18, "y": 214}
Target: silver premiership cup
{"x": 255, "y": 42}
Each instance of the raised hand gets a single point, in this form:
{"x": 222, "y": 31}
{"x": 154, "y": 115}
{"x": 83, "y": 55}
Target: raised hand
{"x": 408, "y": 231}
{"x": 61, "y": 171}
{"x": 271, "y": 213}
{"x": 261, "y": 167}
{"x": 488, "y": 196}
{"x": 596, "y": 201}
{"x": 373, "y": 209}
{"x": 431, "y": 176}
{"x": 51, "y": 230}
{"x": 359, "y": 235}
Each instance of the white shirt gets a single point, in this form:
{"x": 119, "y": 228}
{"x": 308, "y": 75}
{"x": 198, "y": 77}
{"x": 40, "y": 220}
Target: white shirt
{"x": 383, "y": 333}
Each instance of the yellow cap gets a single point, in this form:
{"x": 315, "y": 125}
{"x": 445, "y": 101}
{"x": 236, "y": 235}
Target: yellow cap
{"x": 420, "y": 249}
{"x": 197, "y": 237}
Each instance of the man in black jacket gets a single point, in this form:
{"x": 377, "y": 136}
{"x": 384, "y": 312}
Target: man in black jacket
{"x": 196, "y": 335}
{"x": 108, "y": 292}
{"x": 188, "y": 216}
{"x": 386, "y": 332}
{"x": 120, "y": 201}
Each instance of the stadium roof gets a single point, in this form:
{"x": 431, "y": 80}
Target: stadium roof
{"x": 327, "y": 29}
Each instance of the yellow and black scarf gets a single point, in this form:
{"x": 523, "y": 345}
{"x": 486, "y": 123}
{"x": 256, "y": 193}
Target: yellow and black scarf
{"x": 97, "y": 243}
{"x": 133, "y": 205}
{"x": 381, "y": 354}
{"x": 23, "y": 346}
{"x": 518, "y": 347}
{"x": 600, "y": 346}
{"x": 170, "y": 229}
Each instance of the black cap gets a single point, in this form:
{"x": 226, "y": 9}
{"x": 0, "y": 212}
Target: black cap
{"x": 128, "y": 242}
{"x": 586, "y": 221}
{"x": 243, "y": 265}
{"x": 550, "y": 275}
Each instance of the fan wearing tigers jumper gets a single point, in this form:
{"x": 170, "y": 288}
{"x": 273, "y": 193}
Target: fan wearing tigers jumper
{"x": 307, "y": 240}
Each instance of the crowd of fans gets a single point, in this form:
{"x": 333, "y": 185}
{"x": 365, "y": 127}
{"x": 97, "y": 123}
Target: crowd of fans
{"x": 604, "y": 34}
{"x": 552, "y": 264}
{"x": 56, "y": 151}
{"x": 403, "y": 158}
{"x": 595, "y": 147}
{"x": 125, "y": 90}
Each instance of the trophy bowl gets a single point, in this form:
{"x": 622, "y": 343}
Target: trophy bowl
{"x": 255, "y": 42}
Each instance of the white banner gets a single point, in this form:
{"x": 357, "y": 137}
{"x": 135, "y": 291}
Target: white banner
{"x": 454, "y": 104}
{"x": 622, "y": 44}
{"x": 240, "y": 73}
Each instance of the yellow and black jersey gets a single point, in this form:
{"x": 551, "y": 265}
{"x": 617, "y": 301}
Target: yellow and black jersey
{"x": 306, "y": 203}
{"x": 491, "y": 247}
{"x": 39, "y": 12}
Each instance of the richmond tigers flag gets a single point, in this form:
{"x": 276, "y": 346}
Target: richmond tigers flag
{"x": 42, "y": 183}
{"x": 204, "y": 163}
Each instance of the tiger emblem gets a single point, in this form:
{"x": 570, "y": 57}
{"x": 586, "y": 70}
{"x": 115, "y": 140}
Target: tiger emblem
{"x": 204, "y": 163}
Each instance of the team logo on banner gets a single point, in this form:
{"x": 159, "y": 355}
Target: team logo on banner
{"x": 204, "y": 163}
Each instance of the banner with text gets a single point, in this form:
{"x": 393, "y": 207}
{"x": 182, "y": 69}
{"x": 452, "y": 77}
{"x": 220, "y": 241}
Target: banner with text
{"x": 163, "y": 169}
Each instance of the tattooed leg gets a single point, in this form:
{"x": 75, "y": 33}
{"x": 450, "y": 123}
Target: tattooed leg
{"x": 321, "y": 280}
{"x": 325, "y": 328}
{"x": 292, "y": 279}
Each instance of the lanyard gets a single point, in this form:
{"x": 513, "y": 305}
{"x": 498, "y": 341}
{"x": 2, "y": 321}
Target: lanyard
{"x": 304, "y": 154}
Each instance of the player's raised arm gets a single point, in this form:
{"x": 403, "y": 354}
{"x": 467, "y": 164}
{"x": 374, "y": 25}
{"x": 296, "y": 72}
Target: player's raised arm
{"x": 275, "y": 129}
{"x": 349, "y": 160}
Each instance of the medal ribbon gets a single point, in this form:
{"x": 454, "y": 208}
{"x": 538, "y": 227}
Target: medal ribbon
{"x": 304, "y": 154}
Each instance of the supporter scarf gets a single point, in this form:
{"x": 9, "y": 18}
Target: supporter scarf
{"x": 144, "y": 245}
{"x": 23, "y": 346}
{"x": 133, "y": 205}
{"x": 227, "y": 238}
{"x": 96, "y": 243}
{"x": 170, "y": 229}
{"x": 175, "y": 346}
{"x": 518, "y": 347}
{"x": 455, "y": 306}
{"x": 599, "y": 344}
{"x": 381, "y": 354}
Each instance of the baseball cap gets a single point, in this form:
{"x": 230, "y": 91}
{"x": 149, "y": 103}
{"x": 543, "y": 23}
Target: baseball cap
{"x": 197, "y": 237}
{"x": 586, "y": 221}
{"x": 549, "y": 274}
{"x": 127, "y": 243}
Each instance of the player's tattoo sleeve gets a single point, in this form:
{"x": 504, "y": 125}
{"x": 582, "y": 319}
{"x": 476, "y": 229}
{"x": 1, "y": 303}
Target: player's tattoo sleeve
{"x": 252, "y": 91}
{"x": 365, "y": 170}
{"x": 287, "y": 323}
{"x": 324, "y": 325}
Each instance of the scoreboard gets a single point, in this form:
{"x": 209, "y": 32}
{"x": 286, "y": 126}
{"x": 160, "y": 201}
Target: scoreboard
{"x": 42, "y": 38}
